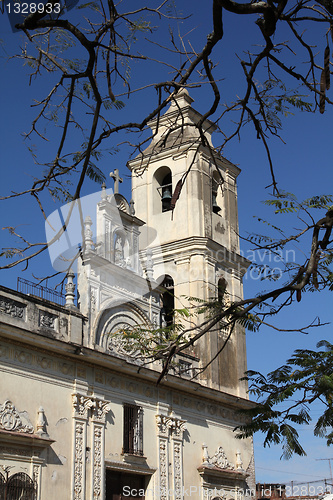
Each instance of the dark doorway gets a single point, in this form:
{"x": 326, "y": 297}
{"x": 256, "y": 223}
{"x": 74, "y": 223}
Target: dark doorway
{"x": 124, "y": 486}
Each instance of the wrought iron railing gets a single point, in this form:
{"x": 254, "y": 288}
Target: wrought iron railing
{"x": 20, "y": 485}
{"x": 30, "y": 288}
{"x": 133, "y": 430}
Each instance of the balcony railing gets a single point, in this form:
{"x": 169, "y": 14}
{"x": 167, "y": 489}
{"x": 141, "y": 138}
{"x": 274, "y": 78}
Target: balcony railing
{"x": 30, "y": 288}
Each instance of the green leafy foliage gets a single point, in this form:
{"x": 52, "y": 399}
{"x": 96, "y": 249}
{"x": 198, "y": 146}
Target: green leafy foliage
{"x": 108, "y": 104}
{"x": 95, "y": 174}
{"x": 306, "y": 377}
{"x": 277, "y": 100}
{"x": 284, "y": 203}
{"x": 91, "y": 5}
{"x": 287, "y": 203}
{"x": 60, "y": 193}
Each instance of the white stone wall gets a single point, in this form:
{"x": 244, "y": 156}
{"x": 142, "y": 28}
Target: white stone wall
{"x": 83, "y": 406}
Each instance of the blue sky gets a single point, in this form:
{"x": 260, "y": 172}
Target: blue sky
{"x": 303, "y": 166}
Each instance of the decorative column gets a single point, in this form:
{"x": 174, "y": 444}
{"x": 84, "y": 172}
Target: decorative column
{"x": 167, "y": 424}
{"x": 70, "y": 290}
{"x": 149, "y": 264}
{"x": 81, "y": 406}
{"x": 99, "y": 412}
{"x": 88, "y": 234}
{"x": 163, "y": 425}
{"x": 36, "y": 469}
{"x": 177, "y": 429}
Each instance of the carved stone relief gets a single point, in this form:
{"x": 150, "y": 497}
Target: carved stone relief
{"x": 177, "y": 430}
{"x": 81, "y": 405}
{"x": 101, "y": 408}
{"x": 12, "y": 308}
{"x": 11, "y": 420}
{"x": 169, "y": 426}
{"x": 93, "y": 299}
{"x": 115, "y": 343}
{"x": 79, "y": 462}
{"x": 155, "y": 320}
{"x": 178, "y": 426}
{"x": 163, "y": 469}
{"x": 219, "y": 459}
{"x": 99, "y": 413}
{"x": 163, "y": 424}
{"x": 178, "y": 470}
{"x": 85, "y": 407}
{"x": 98, "y": 463}
{"x": 35, "y": 479}
{"x": 47, "y": 320}
{"x": 64, "y": 325}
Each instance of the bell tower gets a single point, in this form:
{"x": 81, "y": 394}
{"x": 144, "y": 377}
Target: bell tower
{"x": 198, "y": 247}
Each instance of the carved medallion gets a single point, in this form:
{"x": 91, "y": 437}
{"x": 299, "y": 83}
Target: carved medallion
{"x": 10, "y": 419}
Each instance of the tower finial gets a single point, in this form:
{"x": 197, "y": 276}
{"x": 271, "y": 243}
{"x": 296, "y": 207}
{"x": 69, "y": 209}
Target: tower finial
{"x": 70, "y": 289}
{"x": 103, "y": 193}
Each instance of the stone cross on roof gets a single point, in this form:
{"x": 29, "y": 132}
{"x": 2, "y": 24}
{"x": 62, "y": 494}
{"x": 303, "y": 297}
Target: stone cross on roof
{"x": 115, "y": 176}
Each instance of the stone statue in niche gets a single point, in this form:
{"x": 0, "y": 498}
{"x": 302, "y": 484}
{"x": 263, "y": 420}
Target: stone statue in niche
{"x": 119, "y": 251}
{"x": 163, "y": 322}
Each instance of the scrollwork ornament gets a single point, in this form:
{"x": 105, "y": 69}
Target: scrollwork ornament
{"x": 163, "y": 468}
{"x": 93, "y": 300}
{"x": 10, "y": 419}
{"x": 81, "y": 405}
{"x": 97, "y": 473}
{"x": 35, "y": 476}
{"x": 12, "y": 308}
{"x": 78, "y": 461}
{"x": 220, "y": 460}
{"x": 177, "y": 468}
{"x": 164, "y": 423}
{"x": 47, "y": 320}
{"x": 178, "y": 427}
{"x": 100, "y": 410}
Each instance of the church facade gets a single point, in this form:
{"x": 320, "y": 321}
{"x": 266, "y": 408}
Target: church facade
{"x": 83, "y": 418}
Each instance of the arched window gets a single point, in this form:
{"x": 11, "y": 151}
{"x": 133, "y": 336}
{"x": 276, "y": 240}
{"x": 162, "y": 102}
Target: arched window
{"x": 166, "y": 192}
{"x": 221, "y": 289}
{"x": 20, "y": 487}
{"x": 163, "y": 178}
{"x": 168, "y": 302}
{"x": 216, "y": 192}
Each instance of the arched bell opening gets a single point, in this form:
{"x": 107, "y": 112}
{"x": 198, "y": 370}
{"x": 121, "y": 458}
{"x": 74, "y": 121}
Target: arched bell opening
{"x": 168, "y": 301}
{"x": 221, "y": 290}
{"x": 216, "y": 192}
{"x": 163, "y": 184}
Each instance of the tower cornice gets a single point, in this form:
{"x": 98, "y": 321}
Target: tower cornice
{"x": 196, "y": 245}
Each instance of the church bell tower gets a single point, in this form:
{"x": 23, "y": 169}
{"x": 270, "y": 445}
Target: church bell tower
{"x": 198, "y": 253}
